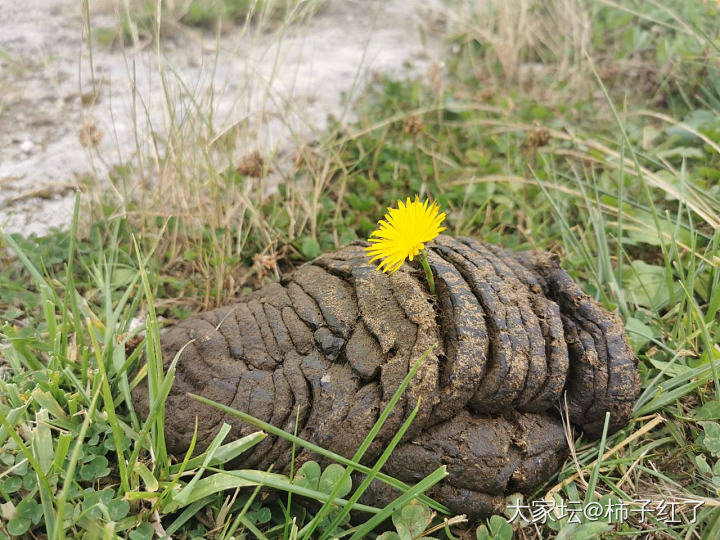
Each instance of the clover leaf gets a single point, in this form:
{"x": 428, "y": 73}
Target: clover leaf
{"x": 710, "y": 438}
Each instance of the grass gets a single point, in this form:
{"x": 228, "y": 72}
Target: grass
{"x": 601, "y": 143}
{"x": 135, "y": 20}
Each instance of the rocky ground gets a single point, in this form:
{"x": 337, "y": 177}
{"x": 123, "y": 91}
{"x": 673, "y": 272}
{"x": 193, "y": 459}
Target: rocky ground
{"x": 61, "y": 128}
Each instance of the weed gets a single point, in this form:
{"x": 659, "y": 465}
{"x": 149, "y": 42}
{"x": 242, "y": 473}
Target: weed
{"x": 601, "y": 143}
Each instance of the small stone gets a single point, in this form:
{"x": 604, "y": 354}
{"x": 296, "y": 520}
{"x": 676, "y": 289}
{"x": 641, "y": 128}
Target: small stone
{"x": 27, "y": 146}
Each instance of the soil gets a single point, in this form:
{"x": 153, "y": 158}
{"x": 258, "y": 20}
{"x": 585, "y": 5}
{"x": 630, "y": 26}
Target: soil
{"x": 60, "y": 128}
{"x": 334, "y": 340}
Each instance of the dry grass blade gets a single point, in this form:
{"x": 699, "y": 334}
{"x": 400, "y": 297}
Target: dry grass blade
{"x": 656, "y": 420}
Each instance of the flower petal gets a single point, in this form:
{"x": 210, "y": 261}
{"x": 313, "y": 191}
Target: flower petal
{"x": 404, "y": 232}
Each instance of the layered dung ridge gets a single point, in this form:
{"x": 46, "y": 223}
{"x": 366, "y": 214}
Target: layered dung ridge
{"x": 331, "y": 343}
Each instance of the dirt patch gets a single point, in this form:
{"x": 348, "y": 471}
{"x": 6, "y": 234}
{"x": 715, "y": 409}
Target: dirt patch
{"x": 60, "y": 127}
{"x": 335, "y": 339}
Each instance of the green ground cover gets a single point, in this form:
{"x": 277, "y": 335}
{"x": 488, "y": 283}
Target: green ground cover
{"x": 599, "y": 142}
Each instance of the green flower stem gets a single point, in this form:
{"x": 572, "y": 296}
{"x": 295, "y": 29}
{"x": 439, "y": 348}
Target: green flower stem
{"x": 428, "y": 272}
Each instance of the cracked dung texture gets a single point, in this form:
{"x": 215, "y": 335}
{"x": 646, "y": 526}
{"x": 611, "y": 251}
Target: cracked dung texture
{"x": 332, "y": 342}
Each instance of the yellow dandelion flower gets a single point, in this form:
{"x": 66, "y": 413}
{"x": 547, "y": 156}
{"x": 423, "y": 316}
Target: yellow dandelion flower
{"x": 403, "y": 235}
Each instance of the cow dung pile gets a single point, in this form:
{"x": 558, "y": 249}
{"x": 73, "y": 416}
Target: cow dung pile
{"x": 331, "y": 343}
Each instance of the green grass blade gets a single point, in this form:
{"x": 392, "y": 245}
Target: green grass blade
{"x": 437, "y": 476}
{"x": 224, "y": 453}
{"x": 373, "y": 473}
{"x": 240, "y": 478}
{"x": 272, "y": 430}
{"x": 74, "y": 457}
{"x": 307, "y": 531}
{"x": 186, "y": 492}
{"x": 117, "y": 431}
